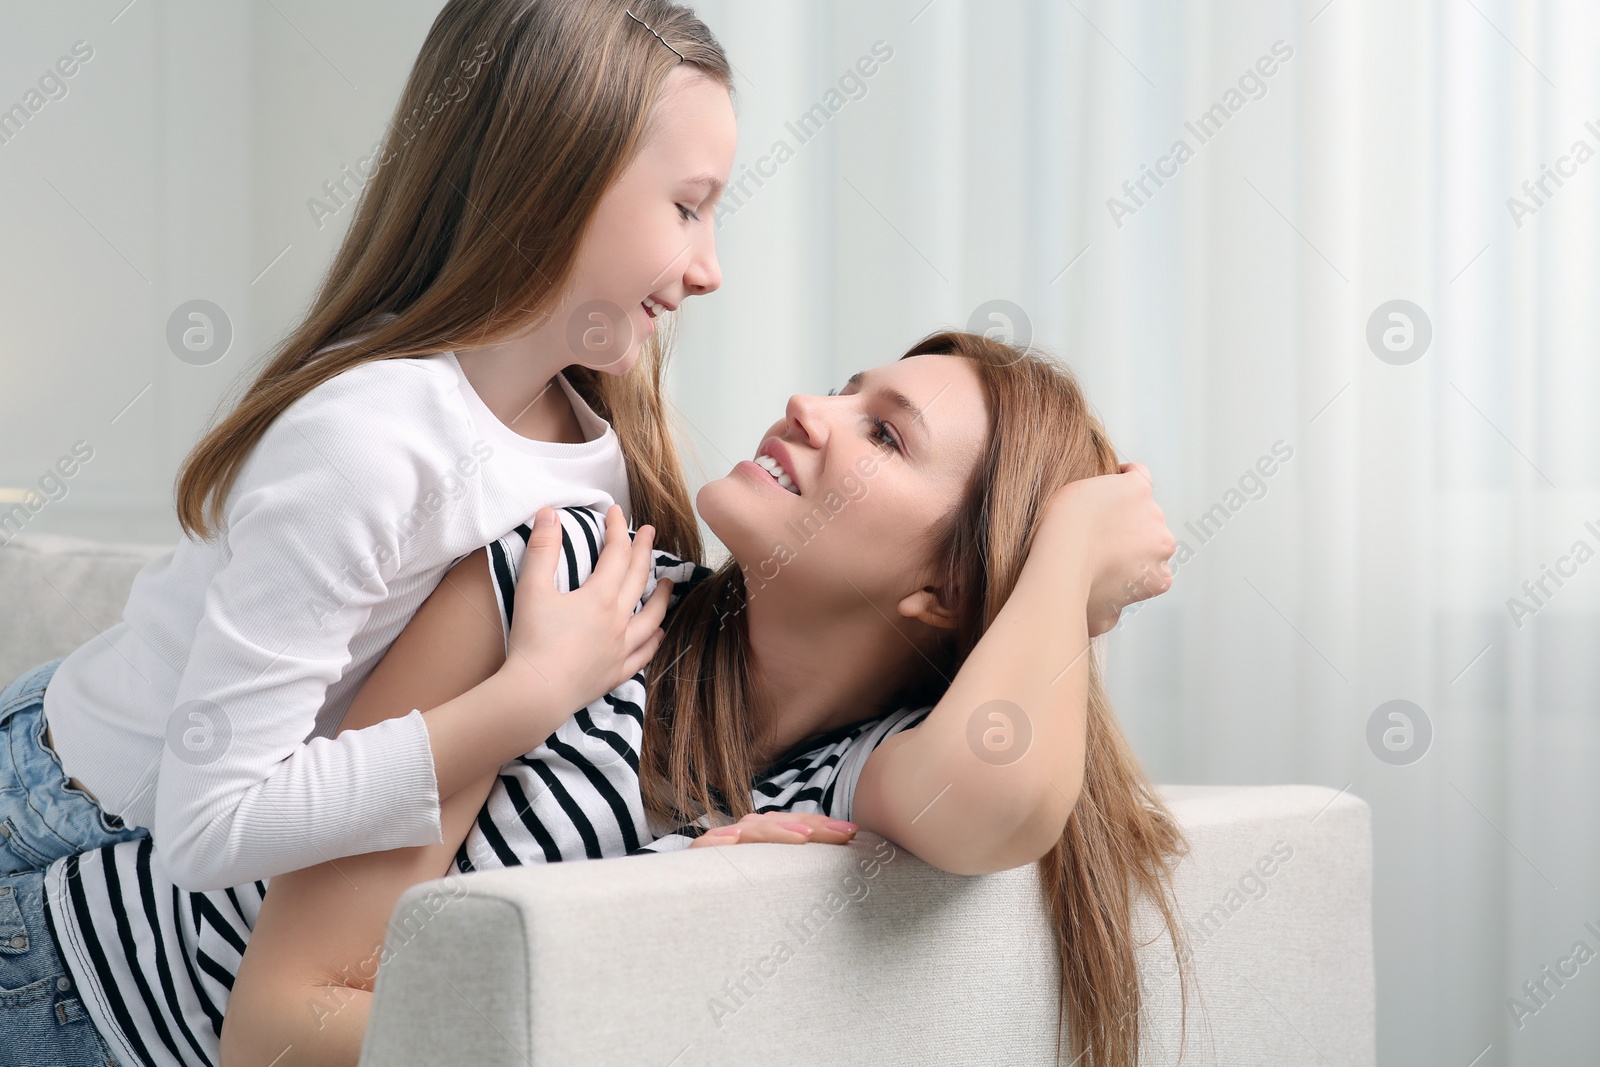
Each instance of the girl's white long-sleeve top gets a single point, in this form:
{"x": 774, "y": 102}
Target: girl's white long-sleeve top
{"x": 208, "y": 713}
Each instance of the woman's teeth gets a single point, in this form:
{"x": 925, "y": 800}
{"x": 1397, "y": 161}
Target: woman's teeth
{"x": 651, "y": 308}
{"x": 774, "y": 468}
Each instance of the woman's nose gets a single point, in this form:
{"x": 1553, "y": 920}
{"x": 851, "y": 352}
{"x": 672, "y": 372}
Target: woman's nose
{"x": 805, "y": 414}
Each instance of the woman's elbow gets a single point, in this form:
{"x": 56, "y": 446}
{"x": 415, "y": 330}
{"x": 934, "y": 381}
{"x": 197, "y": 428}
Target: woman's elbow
{"x": 1043, "y": 829}
{"x": 1036, "y": 830}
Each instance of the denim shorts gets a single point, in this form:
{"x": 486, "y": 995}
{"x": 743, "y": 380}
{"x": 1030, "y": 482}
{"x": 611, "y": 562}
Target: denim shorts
{"x": 40, "y": 1014}
{"x": 43, "y": 818}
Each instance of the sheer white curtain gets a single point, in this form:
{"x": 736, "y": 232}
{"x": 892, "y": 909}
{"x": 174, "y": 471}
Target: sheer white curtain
{"x": 1353, "y": 525}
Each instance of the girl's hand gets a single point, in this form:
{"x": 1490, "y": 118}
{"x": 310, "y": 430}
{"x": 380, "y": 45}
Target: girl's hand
{"x": 571, "y": 648}
{"x": 778, "y": 827}
{"x": 1124, "y": 538}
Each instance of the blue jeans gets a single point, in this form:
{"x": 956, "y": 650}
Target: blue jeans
{"x": 43, "y": 818}
{"x": 40, "y": 1014}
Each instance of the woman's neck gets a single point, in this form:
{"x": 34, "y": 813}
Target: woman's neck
{"x": 820, "y": 666}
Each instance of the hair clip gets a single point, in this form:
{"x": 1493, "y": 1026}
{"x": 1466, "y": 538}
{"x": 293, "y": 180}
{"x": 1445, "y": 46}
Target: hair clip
{"x": 651, "y": 28}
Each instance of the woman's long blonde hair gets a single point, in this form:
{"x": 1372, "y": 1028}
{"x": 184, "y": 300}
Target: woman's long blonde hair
{"x": 1120, "y": 838}
{"x": 470, "y": 227}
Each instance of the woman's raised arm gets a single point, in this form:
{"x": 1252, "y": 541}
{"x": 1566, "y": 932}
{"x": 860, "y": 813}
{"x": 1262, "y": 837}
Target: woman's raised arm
{"x": 986, "y": 782}
{"x": 304, "y": 986}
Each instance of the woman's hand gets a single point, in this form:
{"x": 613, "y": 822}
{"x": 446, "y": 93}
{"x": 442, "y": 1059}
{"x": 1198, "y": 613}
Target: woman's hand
{"x": 1124, "y": 535}
{"x": 778, "y": 827}
{"x": 574, "y": 647}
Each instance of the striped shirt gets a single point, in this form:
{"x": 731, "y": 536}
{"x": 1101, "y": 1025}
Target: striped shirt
{"x": 155, "y": 964}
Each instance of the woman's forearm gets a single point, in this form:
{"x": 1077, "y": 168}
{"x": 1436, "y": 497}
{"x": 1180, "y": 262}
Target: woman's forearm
{"x": 998, "y": 763}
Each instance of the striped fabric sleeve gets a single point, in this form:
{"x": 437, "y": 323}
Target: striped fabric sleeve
{"x": 855, "y": 757}
{"x": 833, "y": 779}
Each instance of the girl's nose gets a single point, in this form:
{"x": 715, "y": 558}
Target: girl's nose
{"x": 703, "y": 274}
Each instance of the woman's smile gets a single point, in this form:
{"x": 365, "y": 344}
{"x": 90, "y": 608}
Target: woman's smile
{"x": 765, "y": 476}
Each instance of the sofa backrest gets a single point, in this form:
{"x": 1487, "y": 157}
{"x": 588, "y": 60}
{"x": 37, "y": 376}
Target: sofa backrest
{"x": 58, "y": 592}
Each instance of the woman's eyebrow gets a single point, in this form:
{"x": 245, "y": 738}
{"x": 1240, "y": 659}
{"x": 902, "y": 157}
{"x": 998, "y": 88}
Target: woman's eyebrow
{"x": 895, "y": 397}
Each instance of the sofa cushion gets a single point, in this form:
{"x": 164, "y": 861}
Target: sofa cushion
{"x": 58, "y": 592}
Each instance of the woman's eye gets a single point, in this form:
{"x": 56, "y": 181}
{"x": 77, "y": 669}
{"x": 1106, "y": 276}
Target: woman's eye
{"x": 881, "y": 432}
{"x": 687, "y": 214}
{"x": 880, "y": 429}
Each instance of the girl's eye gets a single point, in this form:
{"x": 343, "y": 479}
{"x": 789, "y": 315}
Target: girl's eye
{"x": 687, "y": 214}
{"x": 833, "y": 392}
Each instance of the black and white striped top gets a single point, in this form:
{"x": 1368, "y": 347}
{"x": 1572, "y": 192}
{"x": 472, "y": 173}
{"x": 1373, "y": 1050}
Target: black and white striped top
{"x": 154, "y": 964}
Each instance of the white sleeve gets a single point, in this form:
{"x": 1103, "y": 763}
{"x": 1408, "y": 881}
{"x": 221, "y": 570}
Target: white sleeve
{"x": 314, "y": 542}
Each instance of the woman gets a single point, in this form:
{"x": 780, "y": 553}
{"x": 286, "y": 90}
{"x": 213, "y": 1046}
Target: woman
{"x": 930, "y": 506}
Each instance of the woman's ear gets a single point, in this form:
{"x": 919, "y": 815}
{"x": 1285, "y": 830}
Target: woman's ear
{"x": 933, "y": 604}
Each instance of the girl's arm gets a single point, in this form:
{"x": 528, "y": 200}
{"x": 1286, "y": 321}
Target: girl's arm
{"x": 241, "y": 796}
{"x": 304, "y": 986}
{"x": 986, "y": 782}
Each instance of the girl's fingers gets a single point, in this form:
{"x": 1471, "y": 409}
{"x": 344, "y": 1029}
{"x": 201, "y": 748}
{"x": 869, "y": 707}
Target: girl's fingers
{"x": 614, "y": 555}
{"x": 640, "y": 657}
{"x": 642, "y": 559}
{"x": 542, "y": 554}
{"x": 653, "y": 614}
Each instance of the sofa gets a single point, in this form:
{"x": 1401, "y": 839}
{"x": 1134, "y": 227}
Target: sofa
{"x": 857, "y": 954}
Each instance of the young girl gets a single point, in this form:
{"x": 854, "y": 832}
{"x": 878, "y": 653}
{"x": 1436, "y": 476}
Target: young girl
{"x": 476, "y": 330}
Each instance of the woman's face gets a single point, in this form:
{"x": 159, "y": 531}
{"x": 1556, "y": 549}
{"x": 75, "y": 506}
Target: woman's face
{"x": 652, "y": 237}
{"x": 870, "y": 479}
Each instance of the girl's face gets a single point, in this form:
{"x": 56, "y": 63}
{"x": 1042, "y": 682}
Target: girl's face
{"x": 869, "y": 478}
{"x": 651, "y": 243}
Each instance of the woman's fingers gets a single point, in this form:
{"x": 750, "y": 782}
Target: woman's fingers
{"x": 779, "y": 827}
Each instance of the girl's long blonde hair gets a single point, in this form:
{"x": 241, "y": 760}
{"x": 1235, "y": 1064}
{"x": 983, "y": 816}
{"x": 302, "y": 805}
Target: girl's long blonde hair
{"x": 697, "y": 751}
{"x": 470, "y": 227}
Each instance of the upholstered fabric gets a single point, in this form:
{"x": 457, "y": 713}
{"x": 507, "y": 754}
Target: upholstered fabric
{"x": 58, "y": 592}
{"x": 639, "y": 960}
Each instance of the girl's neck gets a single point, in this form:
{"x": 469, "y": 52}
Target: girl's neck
{"x": 522, "y": 391}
